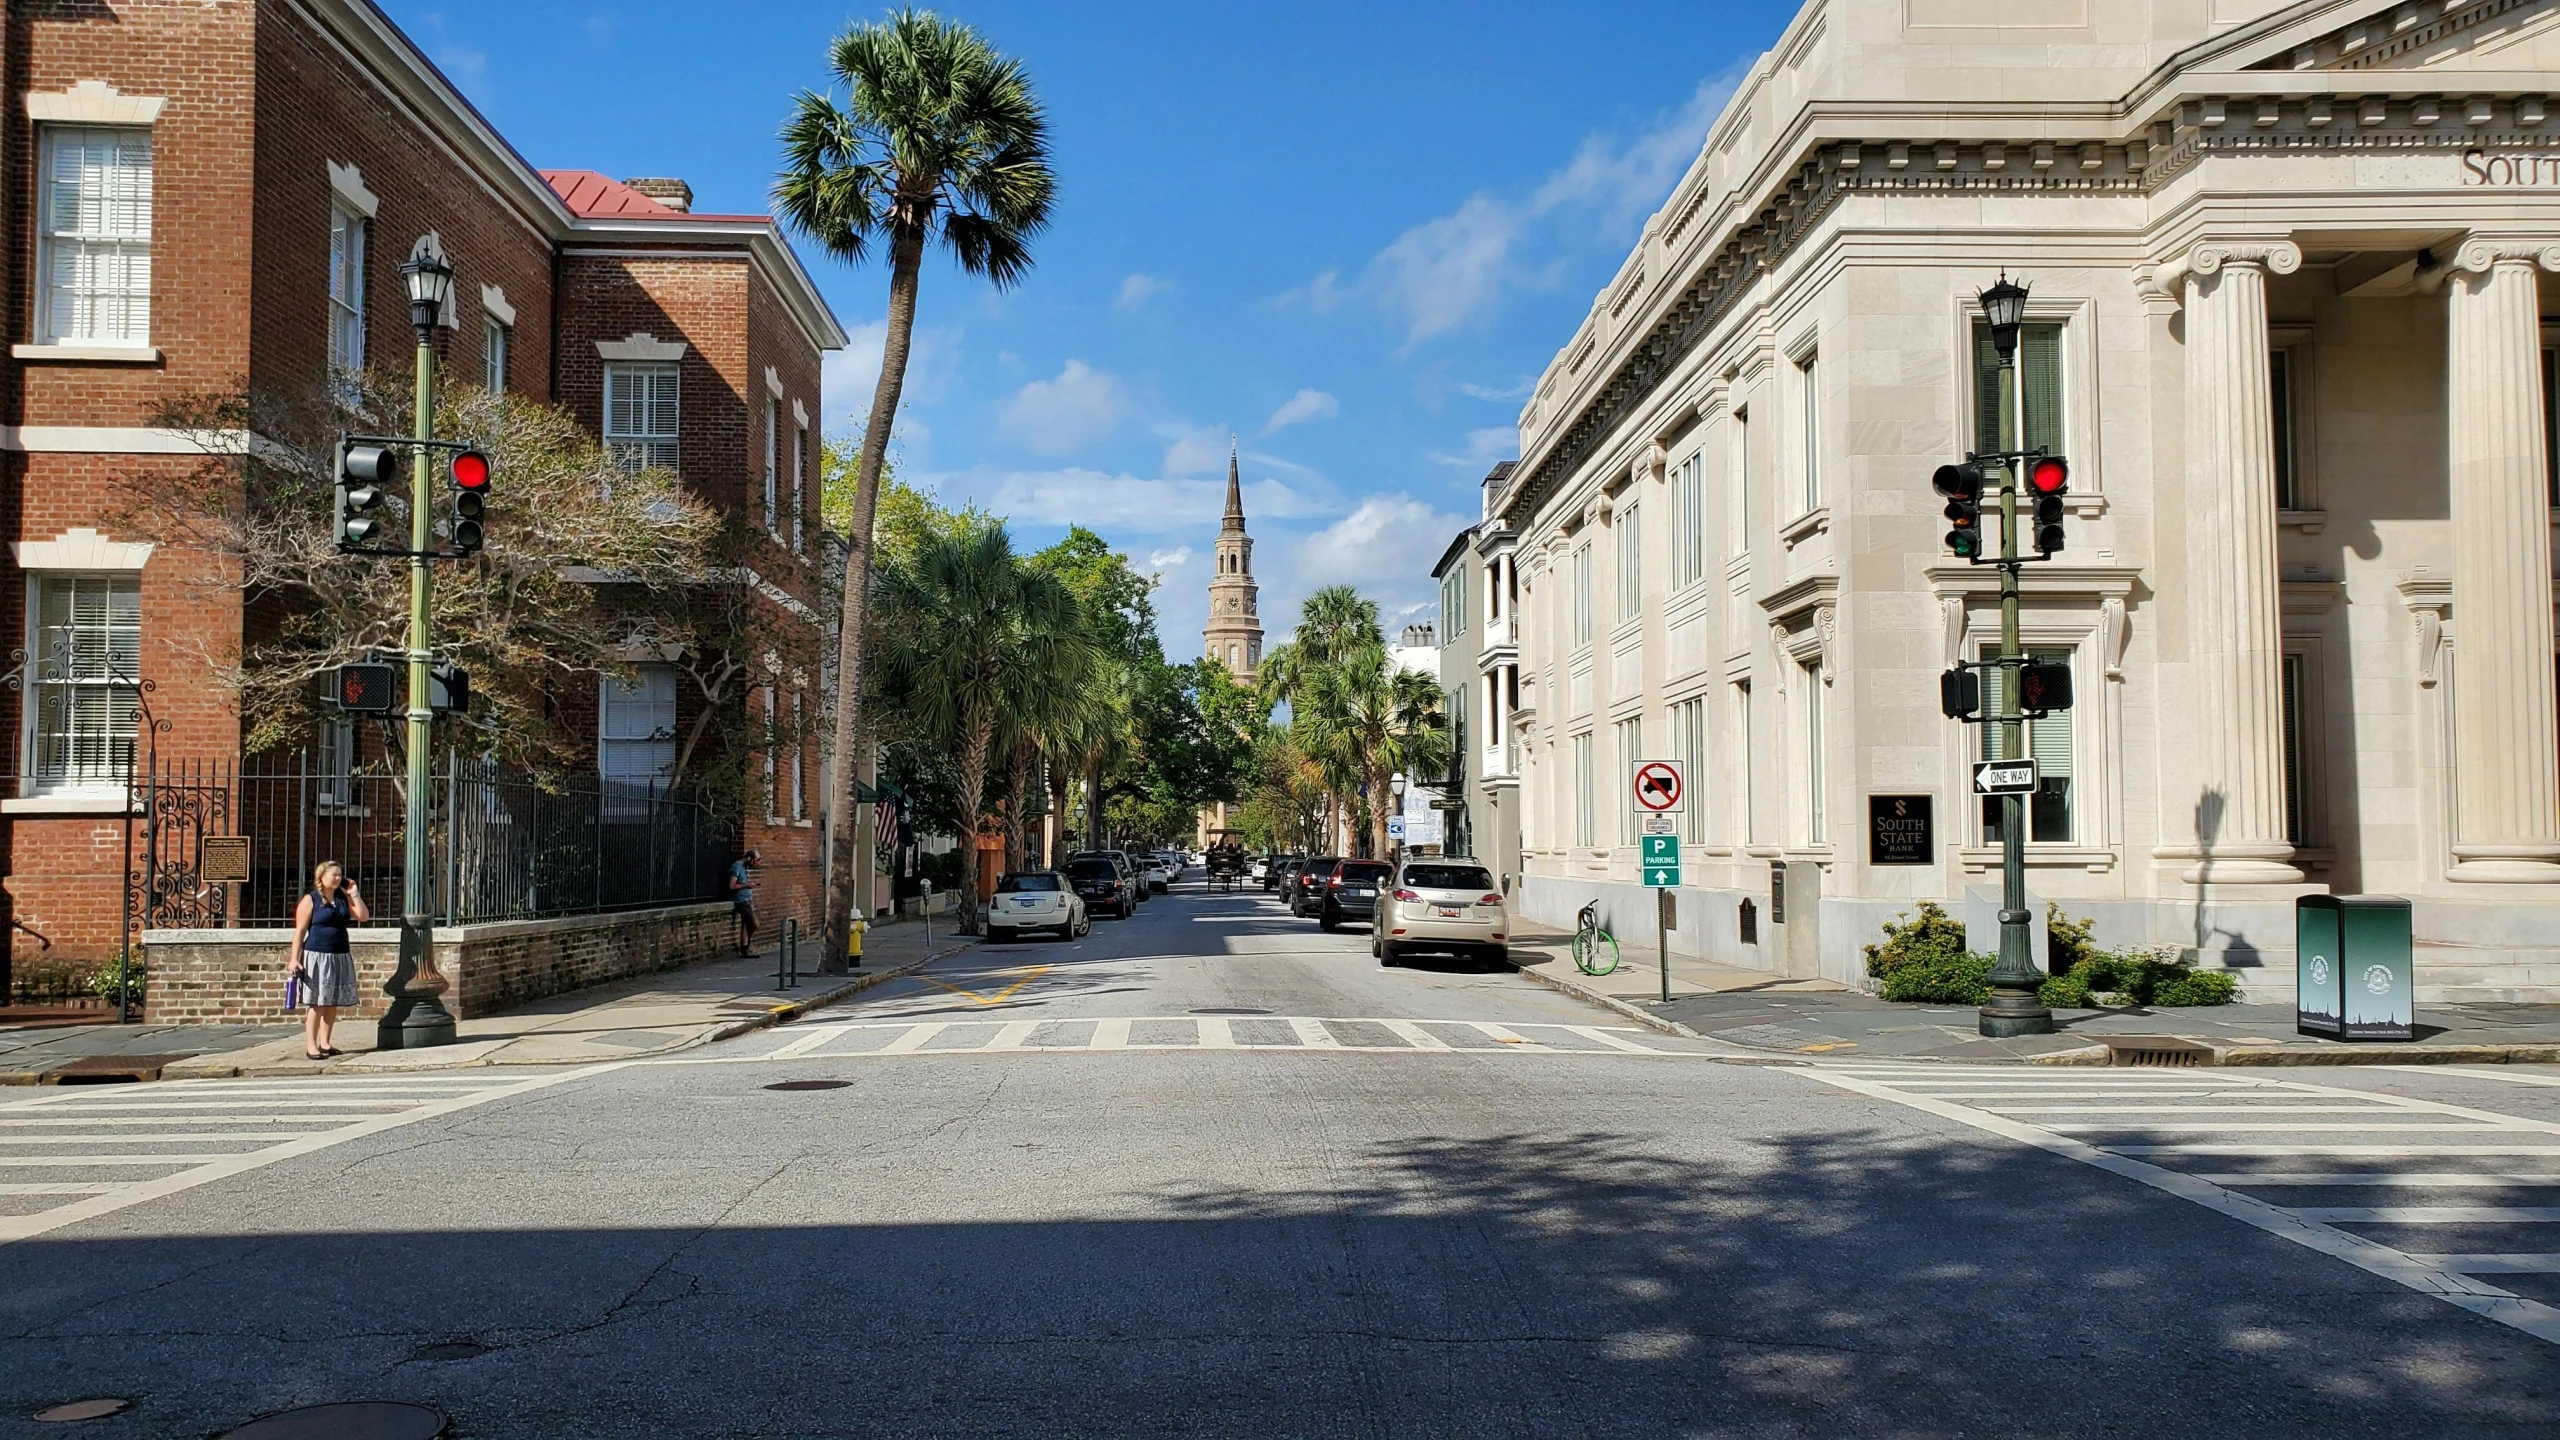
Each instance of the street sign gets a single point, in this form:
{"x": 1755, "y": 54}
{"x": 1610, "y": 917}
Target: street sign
{"x": 1662, "y": 850}
{"x": 1395, "y": 827}
{"x": 1659, "y": 787}
{"x": 1662, "y": 877}
{"x": 1660, "y": 824}
{"x": 2004, "y": 777}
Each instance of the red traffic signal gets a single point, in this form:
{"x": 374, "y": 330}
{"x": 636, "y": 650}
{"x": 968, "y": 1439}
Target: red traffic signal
{"x": 2050, "y": 475}
{"x": 470, "y": 470}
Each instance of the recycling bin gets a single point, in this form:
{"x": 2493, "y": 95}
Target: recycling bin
{"x": 2354, "y": 967}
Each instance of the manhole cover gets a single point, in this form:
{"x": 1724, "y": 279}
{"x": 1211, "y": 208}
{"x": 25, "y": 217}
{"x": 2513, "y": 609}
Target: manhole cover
{"x": 356, "y": 1420}
{"x": 98, "y": 1409}
{"x": 1229, "y": 1010}
{"x": 808, "y": 1084}
{"x": 450, "y": 1350}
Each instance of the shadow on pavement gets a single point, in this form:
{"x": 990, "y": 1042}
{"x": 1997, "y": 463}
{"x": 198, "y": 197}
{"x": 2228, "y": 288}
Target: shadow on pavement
{"x": 1521, "y": 1284}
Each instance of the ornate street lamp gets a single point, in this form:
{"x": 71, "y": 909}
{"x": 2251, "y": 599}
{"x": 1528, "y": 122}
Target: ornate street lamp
{"x": 2004, "y": 305}
{"x": 430, "y": 279}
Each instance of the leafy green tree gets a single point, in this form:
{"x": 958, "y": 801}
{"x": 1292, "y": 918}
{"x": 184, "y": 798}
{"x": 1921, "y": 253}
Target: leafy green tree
{"x": 969, "y": 633}
{"x": 939, "y": 137}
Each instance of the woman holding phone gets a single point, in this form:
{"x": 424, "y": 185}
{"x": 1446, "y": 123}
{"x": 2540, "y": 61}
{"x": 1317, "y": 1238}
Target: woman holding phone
{"x": 321, "y": 956}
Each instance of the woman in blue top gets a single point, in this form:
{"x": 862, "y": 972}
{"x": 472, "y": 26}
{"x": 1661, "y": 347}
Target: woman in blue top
{"x": 322, "y": 957}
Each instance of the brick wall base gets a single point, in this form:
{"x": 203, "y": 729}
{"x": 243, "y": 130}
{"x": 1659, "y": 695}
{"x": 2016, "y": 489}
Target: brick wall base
{"x": 236, "y": 977}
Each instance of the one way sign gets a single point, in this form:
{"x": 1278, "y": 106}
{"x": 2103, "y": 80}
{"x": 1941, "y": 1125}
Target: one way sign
{"x": 2004, "y": 777}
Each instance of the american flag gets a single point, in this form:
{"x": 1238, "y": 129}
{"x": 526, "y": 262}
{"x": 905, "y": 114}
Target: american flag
{"x": 887, "y": 813}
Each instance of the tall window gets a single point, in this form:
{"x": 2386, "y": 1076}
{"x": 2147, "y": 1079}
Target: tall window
{"x": 1689, "y": 522}
{"x": 337, "y": 761}
{"x": 1809, "y": 389}
{"x": 1458, "y": 735}
{"x": 2296, "y": 821}
{"x": 640, "y": 414}
{"x": 1746, "y": 789}
{"x": 1493, "y": 588}
{"x": 1814, "y": 702}
{"x": 2039, "y": 387}
{"x": 1630, "y": 740}
{"x": 799, "y": 756}
{"x": 1737, "y": 488}
{"x": 1689, "y": 747}
{"x": 1453, "y": 602}
{"x": 346, "y": 289}
{"x": 772, "y": 760}
{"x": 1630, "y": 563}
{"x": 2049, "y": 809}
{"x": 94, "y": 237}
{"x": 636, "y": 727}
{"x": 1582, "y": 797}
{"x": 88, "y": 648}
{"x": 493, "y": 354}
{"x": 799, "y": 483}
{"x": 772, "y": 467}
{"x": 1582, "y": 595}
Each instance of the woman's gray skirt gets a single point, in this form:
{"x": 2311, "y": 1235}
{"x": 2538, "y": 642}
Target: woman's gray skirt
{"x": 328, "y": 979}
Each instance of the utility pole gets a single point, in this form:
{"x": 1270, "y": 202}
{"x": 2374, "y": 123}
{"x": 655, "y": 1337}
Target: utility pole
{"x": 2013, "y": 1008}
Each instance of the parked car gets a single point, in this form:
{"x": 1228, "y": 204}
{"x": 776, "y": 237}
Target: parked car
{"x": 1306, "y": 884}
{"x": 1441, "y": 905}
{"x": 1037, "y": 900}
{"x": 1351, "y": 892}
{"x": 1128, "y": 866}
{"x": 1256, "y": 867}
{"x": 1103, "y": 886}
{"x": 1160, "y": 870}
{"x": 1276, "y": 874}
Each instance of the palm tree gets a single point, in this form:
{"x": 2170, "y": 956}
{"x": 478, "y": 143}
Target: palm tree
{"x": 969, "y": 630}
{"x": 941, "y": 137}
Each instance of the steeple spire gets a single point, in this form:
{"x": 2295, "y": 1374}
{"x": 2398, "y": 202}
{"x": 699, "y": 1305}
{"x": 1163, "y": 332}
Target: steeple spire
{"x": 1235, "y": 491}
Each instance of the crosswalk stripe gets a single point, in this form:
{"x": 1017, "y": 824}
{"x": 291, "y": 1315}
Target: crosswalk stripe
{"x": 1420, "y": 1038}
{"x": 1216, "y": 1033}
{"x": 1013, "y": 1035}
{"x": 914, "y": 1039}
{"x": 811, "y": 1041}
{"x": 1110, "y": 1035}
{"x": 1313, "y": 1035}
{"x": 1594, "y": 1032}
{"x": 2438, "y": 1131}
{"x": 1281, "y": 1034}
{"x": 2495, "y": 1264}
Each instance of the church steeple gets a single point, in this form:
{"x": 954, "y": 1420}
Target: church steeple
{"x": 1234, "y": 632}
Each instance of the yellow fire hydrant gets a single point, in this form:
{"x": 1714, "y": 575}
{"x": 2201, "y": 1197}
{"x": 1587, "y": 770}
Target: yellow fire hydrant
{"x": 853, "y": 942}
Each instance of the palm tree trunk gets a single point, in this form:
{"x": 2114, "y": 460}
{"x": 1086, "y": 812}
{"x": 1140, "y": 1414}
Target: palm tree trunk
{"x": 1093, "y": 803}
{"x": 906, "y": 256}
{"x": 1059, "y": 780}
{"x": 1017, "y": 802}
{"x": 1380, "y": 783}
{"x": 976, "y": 739}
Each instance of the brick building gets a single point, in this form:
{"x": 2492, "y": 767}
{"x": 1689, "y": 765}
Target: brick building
{"x": 205, "y": 194}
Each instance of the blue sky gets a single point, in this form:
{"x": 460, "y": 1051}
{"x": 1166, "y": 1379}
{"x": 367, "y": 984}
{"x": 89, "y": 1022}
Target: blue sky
{"x": 1351, "y": 235}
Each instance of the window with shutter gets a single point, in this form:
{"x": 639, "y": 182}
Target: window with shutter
{"x": 640, "y": 414}
{"x": 1814, "y": 700}
{"x": 337, "y": 786}
{"x": 493, "y": 355}
{"x": 799, "y": 483}
{"x": 1809, "y": 391}
{"x": 772, "y": 468}
{"x": 635, "y": 738}
{"x": 1582, "y": 808}
{"x": 346, "y": 289}
{"x": 95, "y": 237}
{"x": 2040, "y": 422}
{"x": 88, "y": 647}
{"x": 1582, "y": 595}
{"x": 2049, "y": 742}
{"x": 1630, "y": 563}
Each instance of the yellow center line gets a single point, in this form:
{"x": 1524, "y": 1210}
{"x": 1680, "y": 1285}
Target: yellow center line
{"x": 997, "y": 998}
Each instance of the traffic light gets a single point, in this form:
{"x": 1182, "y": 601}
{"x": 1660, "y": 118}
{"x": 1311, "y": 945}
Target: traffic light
{"x": 2047, "y": 478}
{"x": 1962, "y": 485}
{"x": 448, "y": 688}
{"x": 470, "y": 500}
{"x": 1960, "y": 693}
{"x": 363, "y": 469}
{"x": 2044, "y": 686}
{"x": 369, "y": 687}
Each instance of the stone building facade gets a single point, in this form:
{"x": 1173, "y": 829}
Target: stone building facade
{"x": 205, "y": 195}
{"x": 2290, "y": 320}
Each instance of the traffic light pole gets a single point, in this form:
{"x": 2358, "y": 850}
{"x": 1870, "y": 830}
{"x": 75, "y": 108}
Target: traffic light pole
{"x": 417, "y": 1016}
{"x": 2013, "y": 1008}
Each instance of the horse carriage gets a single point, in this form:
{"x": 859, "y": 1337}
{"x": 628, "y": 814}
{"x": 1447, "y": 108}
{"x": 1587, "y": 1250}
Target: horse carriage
{"x": 1225, "y": 862}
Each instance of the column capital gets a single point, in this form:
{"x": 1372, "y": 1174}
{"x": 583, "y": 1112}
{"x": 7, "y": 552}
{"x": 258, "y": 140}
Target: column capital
{"x": 2278, "y": 256}
{"x": 2480, "y": 252}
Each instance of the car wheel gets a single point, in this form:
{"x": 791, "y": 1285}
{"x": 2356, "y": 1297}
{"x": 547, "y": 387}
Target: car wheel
{"x": 1498, "y": 954}
{"x": 996, "y": 936}
{"x": 1330, "y": 920}
{"x": 1389, "y": 953}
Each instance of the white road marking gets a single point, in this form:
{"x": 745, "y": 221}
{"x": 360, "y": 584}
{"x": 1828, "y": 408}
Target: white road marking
{"x": 224, "y": 1105}
{"x": 1594, "y": 1032}
{"x": 1205, "y": 1032}
{"x": 1313, "y": 1035}
{"x": 1216, "y": 1033}
{"x": 2495, "y": 1264}
{"x": 2465, "y": 1134}
{"x": 811, "y": 1041}
{"x": 1110, "y": 1035}
{"x": 1416, "y": 1036}
{"x": 2477, "y": 1072}
{"x": 1012, "y": 1035}
{"x": 915, "y": 1037}
{"x": 2443, "y": 1179}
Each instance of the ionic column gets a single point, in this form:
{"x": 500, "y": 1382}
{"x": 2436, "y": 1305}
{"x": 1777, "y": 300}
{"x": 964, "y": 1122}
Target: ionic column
{"x": 2236, "y": 613}
{"x": 2506, "y": 761}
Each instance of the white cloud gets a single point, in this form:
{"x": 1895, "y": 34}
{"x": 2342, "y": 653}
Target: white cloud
{"x": 1168, "y": 559}
{"x": 1385, "y": 547}
{"x": 1124, "y": 504}
{"x": 1196, "y": 451}
{"x": 1053, "y": 417}
{"x": 1137, "y": 290}
{"x": 1448, "y": 270}
{"x": 1299, "y": 408}
{"x": 1484, "y": 446}
{"x": 1517, "y": 390}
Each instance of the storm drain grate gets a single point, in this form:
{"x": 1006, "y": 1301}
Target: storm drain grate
{"x": 808, "y": 1084}
{"x": 2157, "y": 1050}
{"x": 110, "y": 1069}
{"x": 354, "y": 1420}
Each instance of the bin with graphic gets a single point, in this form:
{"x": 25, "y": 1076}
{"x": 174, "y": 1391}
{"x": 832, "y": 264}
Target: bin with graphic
{"x": 2354, "y": 967}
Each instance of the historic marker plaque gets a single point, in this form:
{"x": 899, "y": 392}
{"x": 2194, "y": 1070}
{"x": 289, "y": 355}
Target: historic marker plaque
{"x": 1901, "y": 830}
{"x": 223, "y": 860}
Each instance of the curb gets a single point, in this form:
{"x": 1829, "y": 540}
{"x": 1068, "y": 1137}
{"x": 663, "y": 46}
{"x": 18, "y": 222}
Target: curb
{"x": 212, "y": 1069}
{"x": 1637, "y": 1013}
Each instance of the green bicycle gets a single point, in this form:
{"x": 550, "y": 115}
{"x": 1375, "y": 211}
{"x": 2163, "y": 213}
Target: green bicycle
{"x": 1595, "y": 950}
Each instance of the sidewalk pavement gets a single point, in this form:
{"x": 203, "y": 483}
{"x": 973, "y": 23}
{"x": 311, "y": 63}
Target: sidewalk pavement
{"x": 1777, "y": 1017}
{"x": 617, "y": 1020}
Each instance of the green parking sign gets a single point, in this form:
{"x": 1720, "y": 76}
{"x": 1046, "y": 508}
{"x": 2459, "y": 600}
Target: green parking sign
{"x": 1661, "y": 850}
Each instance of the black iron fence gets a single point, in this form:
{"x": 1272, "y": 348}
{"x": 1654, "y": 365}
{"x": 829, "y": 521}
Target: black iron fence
{"x": 222, "y": 843}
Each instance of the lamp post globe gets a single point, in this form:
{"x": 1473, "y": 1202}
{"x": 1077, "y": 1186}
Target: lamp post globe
{"x": 429, "y": 277}
{"x": 2004, "y": 307}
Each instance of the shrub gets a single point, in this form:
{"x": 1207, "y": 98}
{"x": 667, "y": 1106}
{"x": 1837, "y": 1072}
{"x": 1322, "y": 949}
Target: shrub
{"x": 1957, "y": 979}
{"x": 2195, "y": 987}
{"x": 1932, "y": 935}
{"x": 2154, "y": 976}
{"x": 2067, "y": 941}
{"x": 102, "y": 980}
{"x": 2067, "y": 991}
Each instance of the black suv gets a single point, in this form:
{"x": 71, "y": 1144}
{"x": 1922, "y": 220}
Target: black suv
{"x": 1351, "y": 892}
{"x": 1306, "y": 884}
{"x": 1102, "y": 887}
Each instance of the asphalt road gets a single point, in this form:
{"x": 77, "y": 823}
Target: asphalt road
{"x": 1087, "y": 1190}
